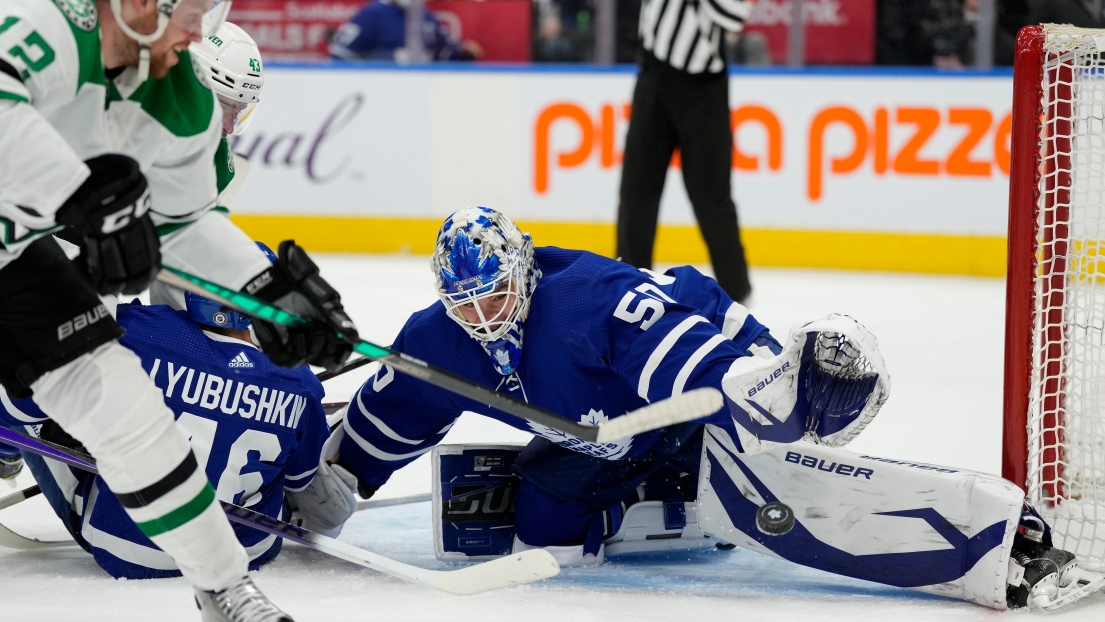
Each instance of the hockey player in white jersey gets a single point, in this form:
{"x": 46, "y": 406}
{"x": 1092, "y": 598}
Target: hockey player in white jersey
{"x": 265, "y": 454}
{"x": 60, "y": 64}
{"x": 601, "y": 339}
{"x": 229, "y": 63}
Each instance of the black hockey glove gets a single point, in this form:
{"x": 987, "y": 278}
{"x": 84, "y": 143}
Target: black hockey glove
{"x": 120, "y": 250}
{"x": 293, "y": 284}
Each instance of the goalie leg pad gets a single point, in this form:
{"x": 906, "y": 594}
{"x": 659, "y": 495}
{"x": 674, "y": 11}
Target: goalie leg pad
{"x": 473, "y": 500}
{"x": 826, "y": 385}
{"x": 935, "y": 529}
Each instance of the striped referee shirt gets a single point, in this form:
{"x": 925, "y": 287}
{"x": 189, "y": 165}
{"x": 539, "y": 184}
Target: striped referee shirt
{"x": 687, "y": 34}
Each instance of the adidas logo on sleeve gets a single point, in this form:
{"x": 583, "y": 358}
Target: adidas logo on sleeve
{"x": 241, "y": 360}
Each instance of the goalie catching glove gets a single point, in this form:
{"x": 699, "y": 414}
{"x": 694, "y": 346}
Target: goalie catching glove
{"x": 120, "y": 250}
{"x": 826, "y": 385}
{"x": 293, "y": 284}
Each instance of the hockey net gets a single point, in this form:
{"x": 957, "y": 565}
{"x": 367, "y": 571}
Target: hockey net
{"x": 1054, "y": 438}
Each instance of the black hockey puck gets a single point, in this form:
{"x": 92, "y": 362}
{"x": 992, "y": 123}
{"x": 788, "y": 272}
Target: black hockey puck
{"x": 775, "y": 518}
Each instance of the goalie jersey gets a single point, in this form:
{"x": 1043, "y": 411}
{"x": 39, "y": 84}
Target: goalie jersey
{"x": 258, "y": 429}
{"x": 602, "y": 338}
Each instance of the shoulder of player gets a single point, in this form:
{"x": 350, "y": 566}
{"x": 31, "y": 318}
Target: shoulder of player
{"x": 163, "y": 318}
{"x": 66, "y": 34}
{"x": 179, "y": 102}
{"x": 431, "y": 335}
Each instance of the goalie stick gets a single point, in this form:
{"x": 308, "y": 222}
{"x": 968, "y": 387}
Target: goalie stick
{"x": 13, "y": 540}
{"x": 515, "y": 569}
{"x": 690, "y": 405}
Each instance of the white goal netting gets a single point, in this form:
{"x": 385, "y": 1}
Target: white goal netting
{"x": 1066, "y": 418}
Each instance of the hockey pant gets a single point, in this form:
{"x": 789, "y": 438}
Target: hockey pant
{"x": 105, "y": 400}
{"x": 935, "y": 529}
{"x": 99, "y": 524}
{"x": 569, "y": 502}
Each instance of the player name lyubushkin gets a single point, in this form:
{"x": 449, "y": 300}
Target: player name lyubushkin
{"x": 229, "y": 396}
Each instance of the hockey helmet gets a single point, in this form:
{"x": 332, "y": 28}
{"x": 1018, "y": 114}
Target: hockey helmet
{"x": 229, "y": 63}
{"x": 483, "y": 261}
{"x": 200, "y": 309}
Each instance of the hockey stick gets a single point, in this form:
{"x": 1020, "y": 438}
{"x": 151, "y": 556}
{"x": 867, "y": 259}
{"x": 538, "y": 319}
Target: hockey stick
{"x": 516, "y": 569}
{"x": 350, "y": 366}
{"x": 690, "y": 405}
{"x": 384, "y": 503}
{"x": 12, "y": 540}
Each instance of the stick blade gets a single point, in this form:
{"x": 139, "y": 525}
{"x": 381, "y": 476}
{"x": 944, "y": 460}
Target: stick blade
{"x": 10, "y": 539}
{"x": 515, "y": 569}
{"x": 679, "y": 409}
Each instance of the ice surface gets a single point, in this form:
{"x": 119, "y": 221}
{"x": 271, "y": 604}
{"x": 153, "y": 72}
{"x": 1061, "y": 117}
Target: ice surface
{"x": 942, "y": 340}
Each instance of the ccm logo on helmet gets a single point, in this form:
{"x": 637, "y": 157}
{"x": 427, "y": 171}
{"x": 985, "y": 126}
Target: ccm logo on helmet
{"x": 83, "y": 320}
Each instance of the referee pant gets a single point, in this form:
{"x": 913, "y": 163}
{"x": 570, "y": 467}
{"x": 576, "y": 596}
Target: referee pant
{"x": 672, "y": 108}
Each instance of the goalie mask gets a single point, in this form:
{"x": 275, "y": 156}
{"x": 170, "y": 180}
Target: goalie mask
{"x": 229, "y": 63}
{"x": 203, "y": 310}
{"x": 485, "y": 276}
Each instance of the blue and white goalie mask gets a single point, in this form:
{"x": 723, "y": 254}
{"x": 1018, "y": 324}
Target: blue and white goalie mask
{"x": 485, "y": 275}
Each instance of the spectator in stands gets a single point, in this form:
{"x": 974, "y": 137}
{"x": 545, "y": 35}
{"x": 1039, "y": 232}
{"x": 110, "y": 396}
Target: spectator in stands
{"x": 379, "y": 32}
{"x": 1084, "y": 13}
{"x": 747, "y": 48}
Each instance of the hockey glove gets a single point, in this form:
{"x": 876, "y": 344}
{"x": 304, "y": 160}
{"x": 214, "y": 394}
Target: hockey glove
{"x": 293, "y": 284}
{"x": 327, "y": 502}
{"x": 120, "y": 250}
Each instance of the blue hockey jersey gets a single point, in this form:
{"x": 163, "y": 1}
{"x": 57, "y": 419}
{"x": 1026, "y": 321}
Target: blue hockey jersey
{"x": 602, "y": 338}
{"x": 257, "y": 428}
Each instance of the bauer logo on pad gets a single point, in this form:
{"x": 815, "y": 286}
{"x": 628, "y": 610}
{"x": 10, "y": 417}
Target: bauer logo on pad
{"x": 241, "y": 361}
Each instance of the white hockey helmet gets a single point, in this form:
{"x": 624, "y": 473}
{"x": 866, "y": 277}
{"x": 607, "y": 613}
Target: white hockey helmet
{"x": 204, "y": 22}
{"x": 229, "y": 63}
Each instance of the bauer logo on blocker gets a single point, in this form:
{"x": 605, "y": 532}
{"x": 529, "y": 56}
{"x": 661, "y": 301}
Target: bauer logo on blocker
{"x": 241, "y": 361}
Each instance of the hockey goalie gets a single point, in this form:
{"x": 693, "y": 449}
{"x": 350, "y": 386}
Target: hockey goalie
{"x": 577, "y": 333}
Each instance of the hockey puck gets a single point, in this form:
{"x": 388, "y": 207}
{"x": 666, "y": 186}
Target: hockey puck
{"x": 775, "y": 518}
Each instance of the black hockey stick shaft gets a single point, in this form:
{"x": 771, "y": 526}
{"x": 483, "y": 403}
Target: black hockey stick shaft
{"x": 348, "y": 367}
{"x": 409, "y": 365}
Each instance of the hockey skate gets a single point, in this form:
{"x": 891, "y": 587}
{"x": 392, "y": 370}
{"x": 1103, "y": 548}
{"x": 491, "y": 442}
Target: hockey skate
{"x": 1041, "y": 575}
{"x": 10, "y": 466}
{"x": 241, "y": 602}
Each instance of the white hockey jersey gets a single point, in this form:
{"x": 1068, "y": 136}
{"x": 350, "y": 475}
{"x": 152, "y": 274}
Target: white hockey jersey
{"x": 52, "y": 96}
{"x": 57, "y": 109}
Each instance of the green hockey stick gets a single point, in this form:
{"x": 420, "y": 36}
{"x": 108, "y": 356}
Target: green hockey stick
{"x": 690, "y": 405}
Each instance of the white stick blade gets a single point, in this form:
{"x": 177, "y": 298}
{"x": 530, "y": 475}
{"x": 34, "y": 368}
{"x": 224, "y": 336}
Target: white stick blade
{"x": 10, "y": 539}
{"x": 685, "y": 407}
{"x": 516, "y": 569}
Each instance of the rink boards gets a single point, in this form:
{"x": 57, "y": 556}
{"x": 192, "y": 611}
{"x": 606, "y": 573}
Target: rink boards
{"x": 857, "y": 169}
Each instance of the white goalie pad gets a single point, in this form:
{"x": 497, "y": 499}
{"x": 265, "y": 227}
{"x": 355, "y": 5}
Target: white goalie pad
{"x": 645, "y": 529}
{"x": 826, "y": 385}
{"x": 936, "y": 529}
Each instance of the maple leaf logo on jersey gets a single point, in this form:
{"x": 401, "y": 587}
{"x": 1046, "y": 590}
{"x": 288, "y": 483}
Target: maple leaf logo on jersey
{"x": 241, "y": 360}
{"x": 608, "y": 451}
{"x": 593, "y": 418}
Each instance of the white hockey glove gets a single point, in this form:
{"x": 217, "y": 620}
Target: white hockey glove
{"x": 825, "y": 386}
{"x": 325, "y": 505}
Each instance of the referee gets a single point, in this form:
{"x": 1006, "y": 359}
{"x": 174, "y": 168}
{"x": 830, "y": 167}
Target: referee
{"x": 682, "y": 100}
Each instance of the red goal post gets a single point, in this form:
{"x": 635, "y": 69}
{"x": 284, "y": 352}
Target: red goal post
{"x": 1054, "y": 432}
